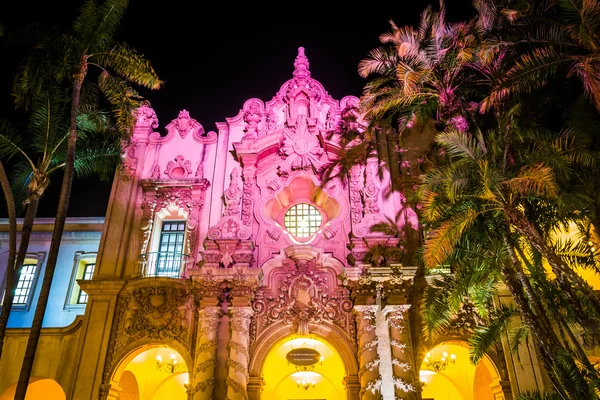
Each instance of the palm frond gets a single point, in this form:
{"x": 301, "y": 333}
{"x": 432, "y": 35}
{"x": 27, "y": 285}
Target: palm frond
{"x": 485, "y": 337}
{"x": 128, "y": 64}
{"x": 122, "y": 98}
{"x": 537, "y": 180}
{"x": 11, "y": 142}
{"x": 440, "y": 242}
{"x": 460, "y": 145}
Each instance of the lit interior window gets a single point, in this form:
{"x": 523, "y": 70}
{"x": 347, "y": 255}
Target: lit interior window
{"x": 302, "y": 220}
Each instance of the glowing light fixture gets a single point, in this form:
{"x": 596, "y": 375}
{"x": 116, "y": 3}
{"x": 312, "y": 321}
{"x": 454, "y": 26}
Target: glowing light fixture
{"x": 306, "y": 384}
{"x": 441, "y": 364}
{"x": 172, "y": 366}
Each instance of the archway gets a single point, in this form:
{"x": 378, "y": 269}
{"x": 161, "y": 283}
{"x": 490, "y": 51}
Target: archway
{"x": 284, "y": 380}
{"x": 447, "y": 374}
{"x": 141, "y": 376}
{"x": 39, "y": 388}
{"x": 129, "y": 387}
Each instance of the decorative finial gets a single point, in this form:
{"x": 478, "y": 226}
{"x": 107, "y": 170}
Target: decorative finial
{"x": 301, "y": 65}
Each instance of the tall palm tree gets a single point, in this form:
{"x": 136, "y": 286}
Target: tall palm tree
{"x": 421, "y": 73}
{"x": 42, "y": 149}
{"x": 91, "y": 43}
{"x": 492, "y": 179}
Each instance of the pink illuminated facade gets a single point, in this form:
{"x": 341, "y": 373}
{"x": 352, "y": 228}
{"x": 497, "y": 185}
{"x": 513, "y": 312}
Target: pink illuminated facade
{"x": 220, "y": 246}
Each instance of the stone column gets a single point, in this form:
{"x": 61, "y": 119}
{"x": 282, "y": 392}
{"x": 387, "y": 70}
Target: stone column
{"x": 239, "y": 357}
{"x": 401, "y": 351}
{"x": 368, "y": 357}
{"x": 205, "y": 360}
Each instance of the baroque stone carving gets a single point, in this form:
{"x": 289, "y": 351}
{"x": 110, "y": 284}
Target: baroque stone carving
{"x": 370, "y": 193}
{"x": 129, "y": 165}
{"x": 183, "y": 123}
{"x": 149, "y": 313}
{"x": 158, "y": 313}
{"x": 304, "y": 296}
{"x": 464, "y": 321}
{"x": 252, "y": 117}
{"x": 248, "y": 195}
{"x": 302, "y": 147}
{"x": 356, "y": 185}
{"x": 233, "y": 194}
{"x": 145, "y": 115}
{"x": 155, "y": 172}
{"x": 190, "y": 199}
{"x": 180, "y": 168}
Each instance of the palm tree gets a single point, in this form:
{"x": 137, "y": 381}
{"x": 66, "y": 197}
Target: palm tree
{"x": 43, "y": 149}
{"x": 90, "y": 44}
{"x": 548, "y": 41}
{"x": 492, "y": 179}
{"x": 421, "y": 73}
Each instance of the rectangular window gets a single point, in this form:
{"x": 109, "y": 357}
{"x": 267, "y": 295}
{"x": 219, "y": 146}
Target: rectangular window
{"x": 84, "y": 264}
{"x": 25, "y": 284}
{"x": 170, "y": 249}
{"x": 88, "y": 272}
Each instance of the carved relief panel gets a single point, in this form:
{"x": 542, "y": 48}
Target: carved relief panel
{"x": 302, "y": 295}
{"x": 161, "y": 312}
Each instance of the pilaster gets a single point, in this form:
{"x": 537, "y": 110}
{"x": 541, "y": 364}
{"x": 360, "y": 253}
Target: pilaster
{"x": 94, "y": 339}
{"x": 352, "y": 385}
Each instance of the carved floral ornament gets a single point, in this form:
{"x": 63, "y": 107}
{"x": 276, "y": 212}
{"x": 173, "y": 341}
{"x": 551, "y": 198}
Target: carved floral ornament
{"x": 302, "y": 147}
{"x": 179, "y": 168}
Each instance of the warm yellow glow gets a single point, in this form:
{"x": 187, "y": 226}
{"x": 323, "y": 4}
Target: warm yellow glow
{"x": 155, "y": 384}
{"x": 46, "y": 389}
{"x": 457, "y": 381}
{"x": 283, "y": 381}
{"x": 572, "y": 233}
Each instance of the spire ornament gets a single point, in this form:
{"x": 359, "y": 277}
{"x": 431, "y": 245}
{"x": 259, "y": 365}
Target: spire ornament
{"x": 301, "y": 70}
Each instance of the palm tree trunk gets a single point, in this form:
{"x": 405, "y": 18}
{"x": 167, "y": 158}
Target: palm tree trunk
{"x": 59, "y": 225}
{"x": 12, "y": 252}
{"x": 543, "y": 339}
{"x": 524, "y": 226}
{"x": 534, "y": 300}
{"x": 11, "y": 283}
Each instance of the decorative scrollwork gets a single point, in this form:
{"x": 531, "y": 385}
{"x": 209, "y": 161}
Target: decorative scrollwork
{"x": 301, "y": 297}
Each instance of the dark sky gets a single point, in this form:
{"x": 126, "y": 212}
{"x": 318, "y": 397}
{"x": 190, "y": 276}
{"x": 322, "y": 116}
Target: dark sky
{"x": 215, "y": 55}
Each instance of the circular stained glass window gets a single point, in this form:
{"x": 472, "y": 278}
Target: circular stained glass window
{"x": 302, "y": 220}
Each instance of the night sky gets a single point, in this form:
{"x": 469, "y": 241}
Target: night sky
{"x": 215, "y": 55}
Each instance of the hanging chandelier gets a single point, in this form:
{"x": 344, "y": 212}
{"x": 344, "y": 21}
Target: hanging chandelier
{"x": 306, "y": 384}
{"x": 441, "y": 364}
{"x": 172, "y": 366}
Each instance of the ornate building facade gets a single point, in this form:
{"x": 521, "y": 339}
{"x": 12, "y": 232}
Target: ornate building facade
{"x": 227, "y": 270}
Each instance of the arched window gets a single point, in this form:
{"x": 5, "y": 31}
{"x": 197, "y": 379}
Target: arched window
{"x": 302, "y": 220}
